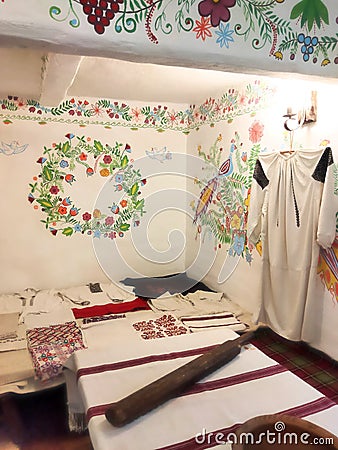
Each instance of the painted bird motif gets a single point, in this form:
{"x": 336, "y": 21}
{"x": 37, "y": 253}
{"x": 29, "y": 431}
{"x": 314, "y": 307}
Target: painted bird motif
{"x": 159, "y": 154}
{"x": 207, "y": 193}
{"x": 13, "y": 148}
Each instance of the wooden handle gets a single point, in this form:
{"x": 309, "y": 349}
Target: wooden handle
{"x": 174, "y": 383}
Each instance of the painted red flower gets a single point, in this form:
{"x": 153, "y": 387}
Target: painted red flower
{"x": 107, "y": 159}
{"x": 256, "y": 132}
{"x": 62, "y": 210}
{"x": 86, "y": 216}
{"x": 218, "y": 10}
{"x": 202, "y": 28}
{"x": 83, "y": 157}
{"x": 54, "y": 190}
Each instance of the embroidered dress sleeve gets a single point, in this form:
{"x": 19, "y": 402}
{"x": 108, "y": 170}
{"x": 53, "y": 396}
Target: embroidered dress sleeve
{"x": 258, "y": 189}
{"x": 325, "y": 173}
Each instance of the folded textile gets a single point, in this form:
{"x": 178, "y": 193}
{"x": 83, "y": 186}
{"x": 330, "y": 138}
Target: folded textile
{"x": 15, "y": 366}
{"x": 48, "y": 359}
{"x": 110, "y": 308}
{"x": 87, "y": 322}
{"x": 95, "y": 294}
{"x": 17, "y": 343}
{"x": 60, "y": 314}
{"x": 50, "y": 347}
{"x": 198, "y": 323}
{"x": 42, "y": 302}
{"x": 153, "y": 287}
{"x": 10, "y": 303}
{"x": 9, "y": 323}
{"x": 196, "y": 303}
{"x": 166, "y": 325}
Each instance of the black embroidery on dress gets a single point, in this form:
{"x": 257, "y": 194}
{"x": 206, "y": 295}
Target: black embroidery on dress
{"x": 95, "y": 287}
{"x": 259, "y": 175}
{"x": 295, "y": 201}
{"x": 325, "y": 161}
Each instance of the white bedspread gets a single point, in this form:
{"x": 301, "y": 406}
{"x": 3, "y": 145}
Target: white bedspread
{"x": 250, "y": 385}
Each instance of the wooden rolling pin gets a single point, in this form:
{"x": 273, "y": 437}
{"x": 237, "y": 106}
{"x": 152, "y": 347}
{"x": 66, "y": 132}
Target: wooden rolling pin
{"x": 174, "y": 383}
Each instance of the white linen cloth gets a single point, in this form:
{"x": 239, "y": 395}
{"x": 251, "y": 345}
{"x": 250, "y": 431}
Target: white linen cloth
{"x": 17, "y": 343}
{"x": 203, "y": 322}
{"x": 15, "y": 366}
{"x": 252, "y": 384}
{"x": 196, "y": 303}
{"x": 9, "y": 325}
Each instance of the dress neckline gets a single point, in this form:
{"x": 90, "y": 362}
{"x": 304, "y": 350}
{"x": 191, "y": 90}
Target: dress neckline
{"x": 287, "y": 155}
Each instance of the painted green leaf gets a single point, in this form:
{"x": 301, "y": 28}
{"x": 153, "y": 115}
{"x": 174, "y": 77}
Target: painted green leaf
{"x": 47, "y": 173}
{"x": 296, "y": 10}
{"x": 134, "y": 189}
{"x": 65, "y": 147}
{"x": 124, "y": 161}
{"x": 310, "y": 11}
{"x": 139, "y": 204}
{"x": 124, "y": 227}
{"x": 98, "y": 146}
{"x": 68, "y": 231}
{"x": 45, "y": 203}
{"x": 33, "y": 186}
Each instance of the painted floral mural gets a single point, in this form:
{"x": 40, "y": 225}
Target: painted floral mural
{"x": 222, "y": 209}
{"x": 328, "y": 268}
{"x": 328, "y": 259}
{"x": 108, "y": 113}
{"x": 295, "y": 31}
{"x": 50, "y": 190}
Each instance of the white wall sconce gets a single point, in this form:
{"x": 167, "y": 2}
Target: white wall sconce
{"x": 301, "y": 114}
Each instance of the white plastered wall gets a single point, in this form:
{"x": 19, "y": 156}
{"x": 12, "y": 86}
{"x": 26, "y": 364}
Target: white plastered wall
{"x": 30, "y": 256}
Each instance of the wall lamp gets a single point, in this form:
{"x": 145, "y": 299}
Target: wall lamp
{"x": 298, "y": 116}
{"x": 301, "y": 115}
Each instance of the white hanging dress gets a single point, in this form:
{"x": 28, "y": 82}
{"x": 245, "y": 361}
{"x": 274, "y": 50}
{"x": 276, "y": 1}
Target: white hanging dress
{"x": 293, "y": 211}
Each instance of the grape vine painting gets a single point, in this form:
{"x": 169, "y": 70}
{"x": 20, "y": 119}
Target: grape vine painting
{"x": 50, "y": 190}
{"x": 222, "y": 209}
{"x": 297, "y": 30}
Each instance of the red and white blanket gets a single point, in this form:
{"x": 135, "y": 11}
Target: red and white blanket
{"x": 250, "y": 385}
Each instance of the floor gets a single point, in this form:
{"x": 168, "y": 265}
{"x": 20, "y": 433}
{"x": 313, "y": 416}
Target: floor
{"x": 45, "y": 416}
{"x": 312, "y": 366}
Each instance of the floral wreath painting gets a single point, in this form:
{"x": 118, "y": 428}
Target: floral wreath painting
{"x": 49, "y": 190}
{"x": 299, "y": 31}
{"x": 222, "y": 209}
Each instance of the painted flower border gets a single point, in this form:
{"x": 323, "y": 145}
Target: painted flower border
{"x": 108, "y": 113}
{"x": 62, "y": 215}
